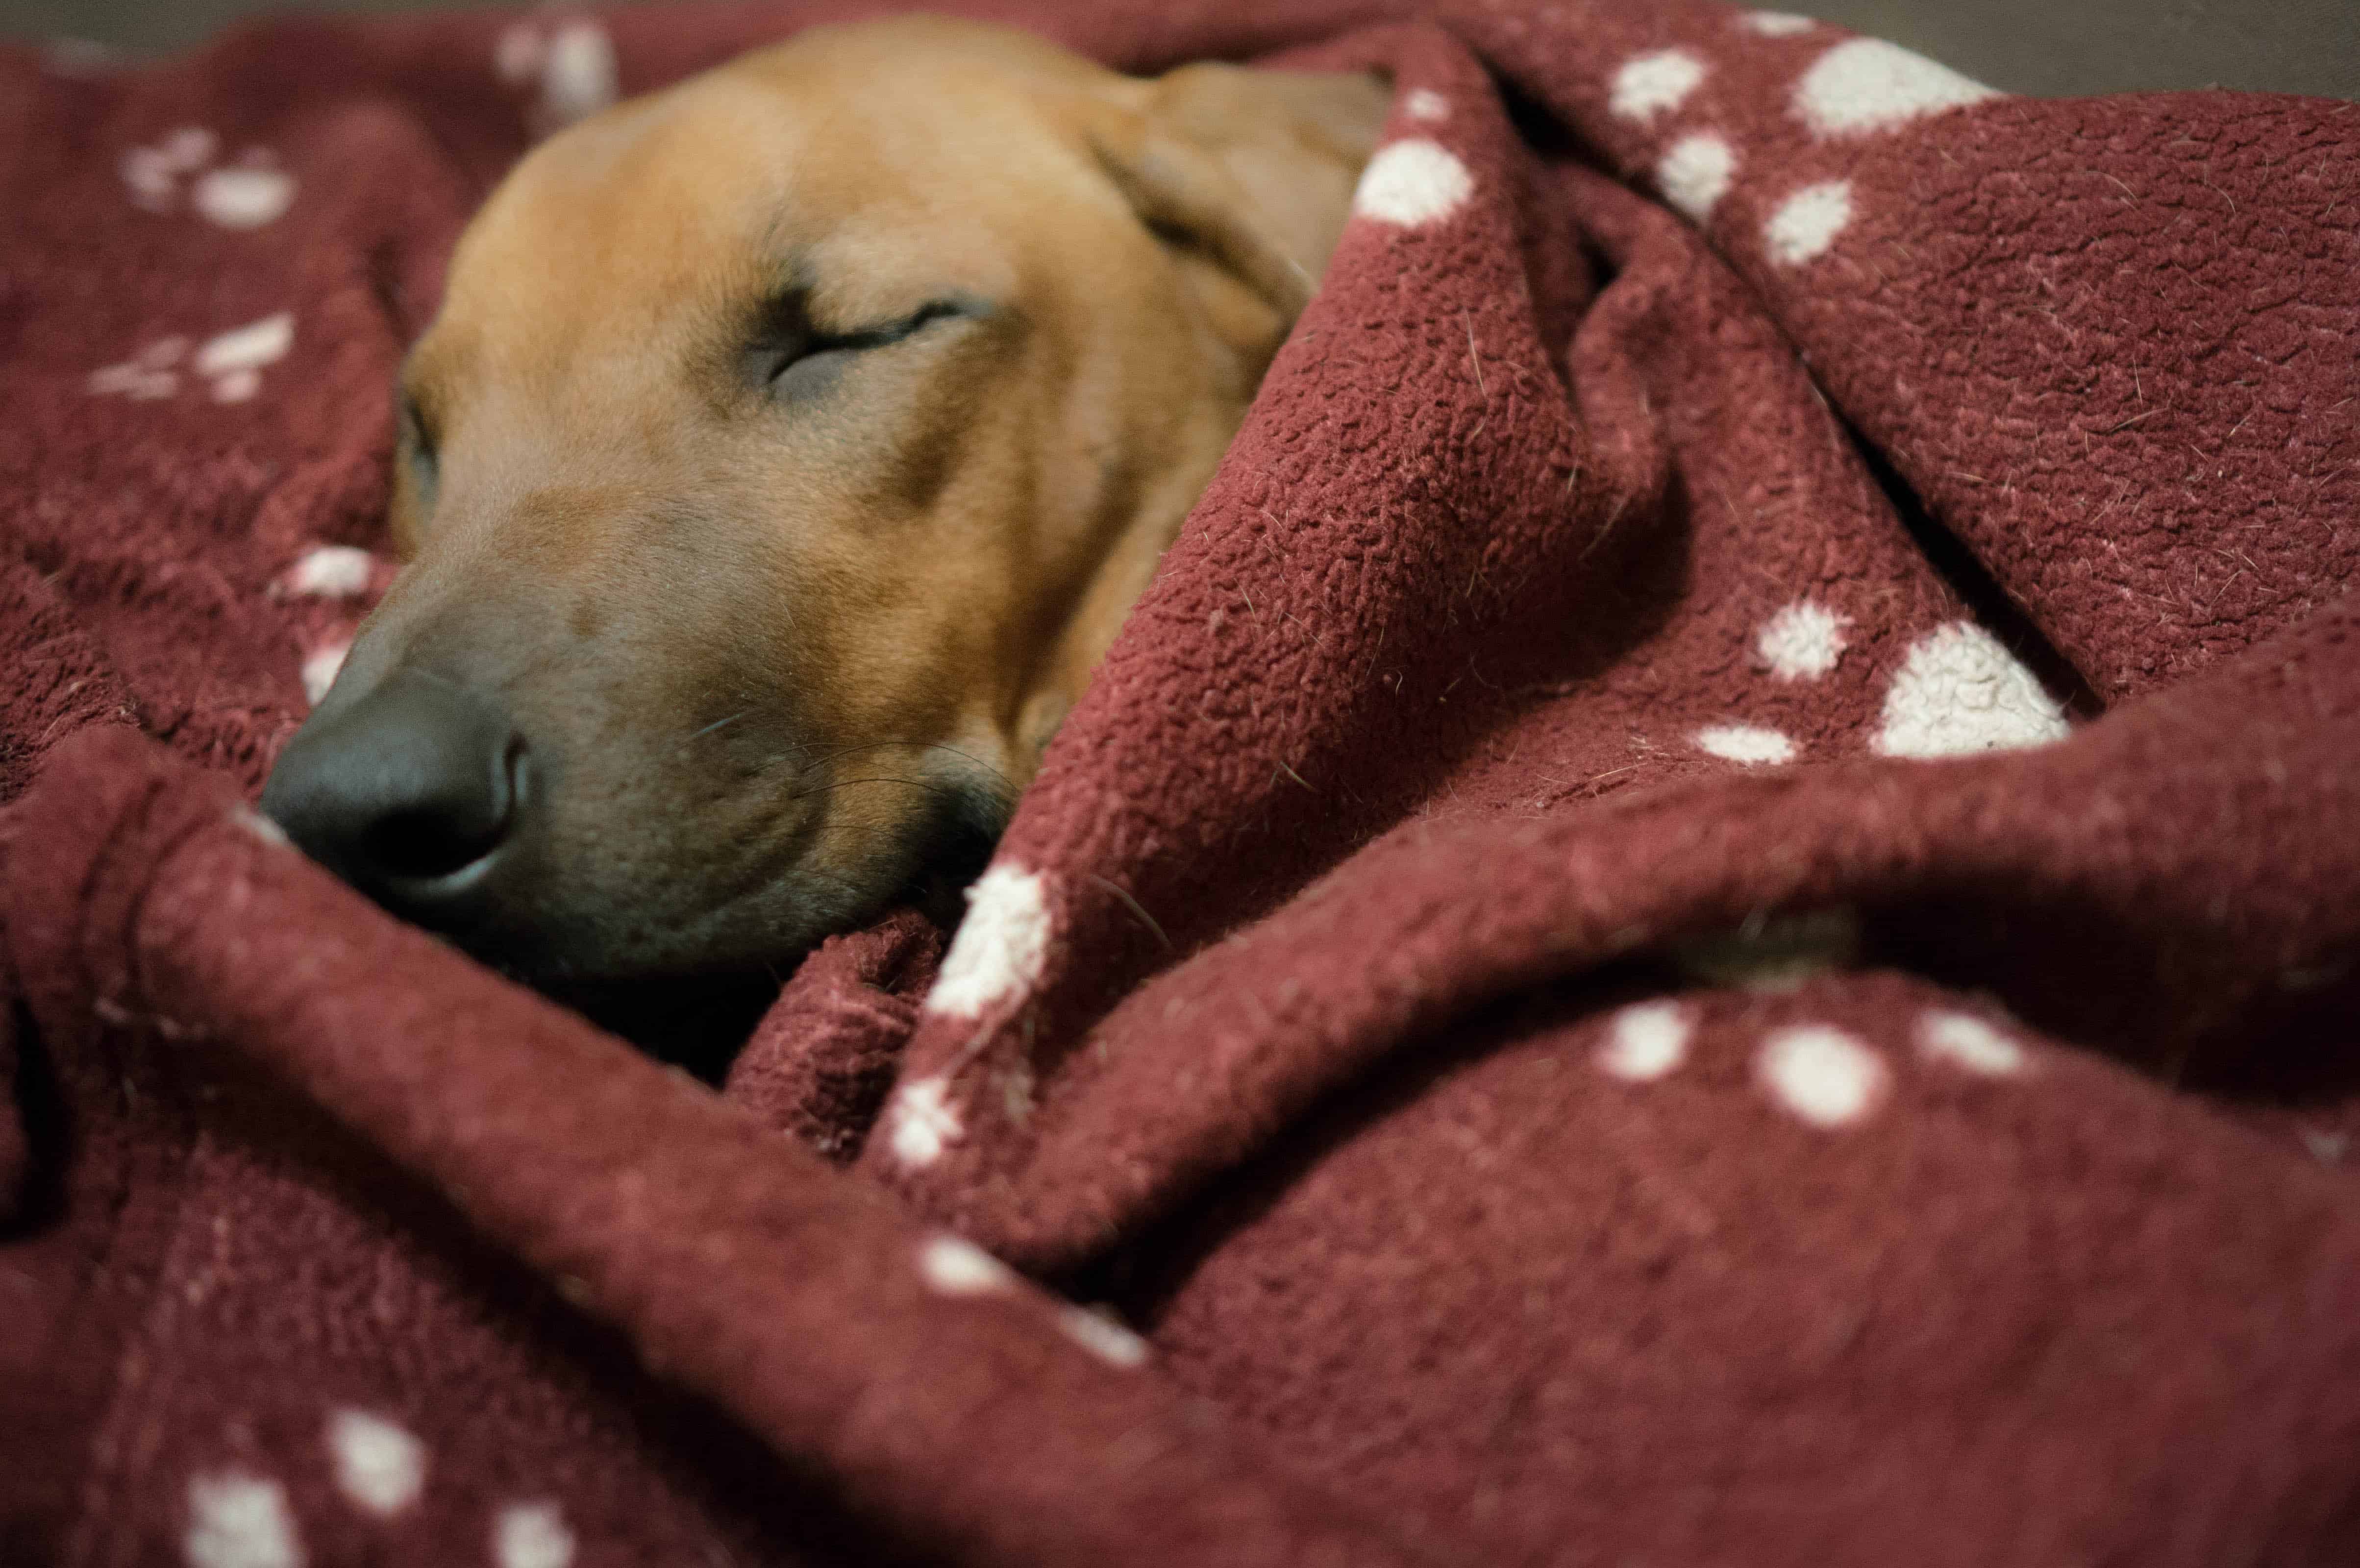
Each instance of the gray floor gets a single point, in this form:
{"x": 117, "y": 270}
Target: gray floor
{"x": 2045, "y": 47}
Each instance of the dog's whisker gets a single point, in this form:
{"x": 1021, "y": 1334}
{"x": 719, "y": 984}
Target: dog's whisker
{"x": 721, "y": 724}
{"x": 1001, "y": 779}
{"x": 805, "y": 765}
{"x": 930, "y": 787}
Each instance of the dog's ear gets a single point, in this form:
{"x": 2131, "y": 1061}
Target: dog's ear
{"x": 1248, "y": 174}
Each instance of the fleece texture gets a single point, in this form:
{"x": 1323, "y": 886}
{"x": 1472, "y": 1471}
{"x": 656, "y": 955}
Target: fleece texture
{"x": 1711, "y": 915}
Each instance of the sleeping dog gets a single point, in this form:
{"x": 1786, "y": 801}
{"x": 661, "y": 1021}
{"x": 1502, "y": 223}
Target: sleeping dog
{"x": 787, "y": 449}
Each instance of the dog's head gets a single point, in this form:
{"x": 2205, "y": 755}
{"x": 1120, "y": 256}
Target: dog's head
{"x": 787, "y": 449}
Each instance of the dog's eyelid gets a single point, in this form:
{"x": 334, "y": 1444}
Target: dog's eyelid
{"x": 411, "y": 421}
{"x": 415, "y": 452}
{"x": 784, "y": 317}
{"x": 893, "y": 331}
{"x": 782, "y": 351}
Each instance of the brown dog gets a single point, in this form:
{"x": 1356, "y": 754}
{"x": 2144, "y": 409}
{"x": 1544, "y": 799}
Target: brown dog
{"x": 789, "y": 448}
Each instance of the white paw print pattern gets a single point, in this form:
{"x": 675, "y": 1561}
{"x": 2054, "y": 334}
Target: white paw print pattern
{"x": 1695, "y": 174}
{"x": 247, "y": 820}
{"x": 1865, "y": 85}
{"x": 150, "y": 373}
{"x": 1958, "y": 692}
{"x": 245, "y": 194}
{"x": 1413, "y": 183}
{"x": 1966, "y": 1042}
{"x": 240, "y": 1519}
{"x": 1001, "y": 947}
{"x": 321, "y": 668}
{"x": 1805, "y": 225}
{"x": 568, "y": 62}
{"x": 230, "y": 364}
{"x": 1653, "y": 84}
{"x": 1752, "y": 745}
{"x": 532, "y": 1535}
{"x": 996, "y": 958}
{"x": 1854, "y": 88}
{"x": 1102, "y": 1336}
{"x": 1823, "y": 1076}
{"x": 153, "y": 174}
{"x": 922, "y": 1122}
{"x": 1416, "y": 181}
{"x": 331, "y": 571}
{"x": 380, "y": 1465}
{"x": 235, "y": 361}
{"x": 1646, "y": 1041}
{"x": 952, "y": 1267}
{"x": 1804, "y": 641}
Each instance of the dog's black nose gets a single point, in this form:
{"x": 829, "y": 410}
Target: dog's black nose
{"x": 409, "y": 793}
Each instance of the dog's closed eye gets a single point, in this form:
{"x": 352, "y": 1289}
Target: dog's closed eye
{"x": 798, "y": 361}
{"x": 417, "y": 456}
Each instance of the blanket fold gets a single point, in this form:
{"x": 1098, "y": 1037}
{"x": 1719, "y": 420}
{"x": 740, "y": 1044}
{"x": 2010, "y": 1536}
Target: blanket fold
{"x": 648, "y": 1200}
{"x": 1710, "y": 914}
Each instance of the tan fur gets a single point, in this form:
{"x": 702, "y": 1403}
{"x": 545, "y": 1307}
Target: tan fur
{"x": 752, "y": 635}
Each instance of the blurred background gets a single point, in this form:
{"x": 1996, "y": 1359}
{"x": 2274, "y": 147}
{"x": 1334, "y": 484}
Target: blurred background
{"x": 2043, "y": 47}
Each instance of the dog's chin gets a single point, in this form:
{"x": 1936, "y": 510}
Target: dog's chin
{"x": 694, "y": 1002}
{"x": 951, "y": 844}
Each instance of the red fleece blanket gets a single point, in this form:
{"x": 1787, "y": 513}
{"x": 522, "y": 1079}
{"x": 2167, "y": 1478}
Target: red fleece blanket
{"x": 1709, "y": 917}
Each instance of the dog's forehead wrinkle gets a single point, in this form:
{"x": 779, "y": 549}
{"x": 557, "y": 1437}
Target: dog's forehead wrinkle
{"x": 726, "y": 127}
{"x": 615, "y": 241}
{"x": 626, "y": 246}
{"x": 890, "y": 259}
